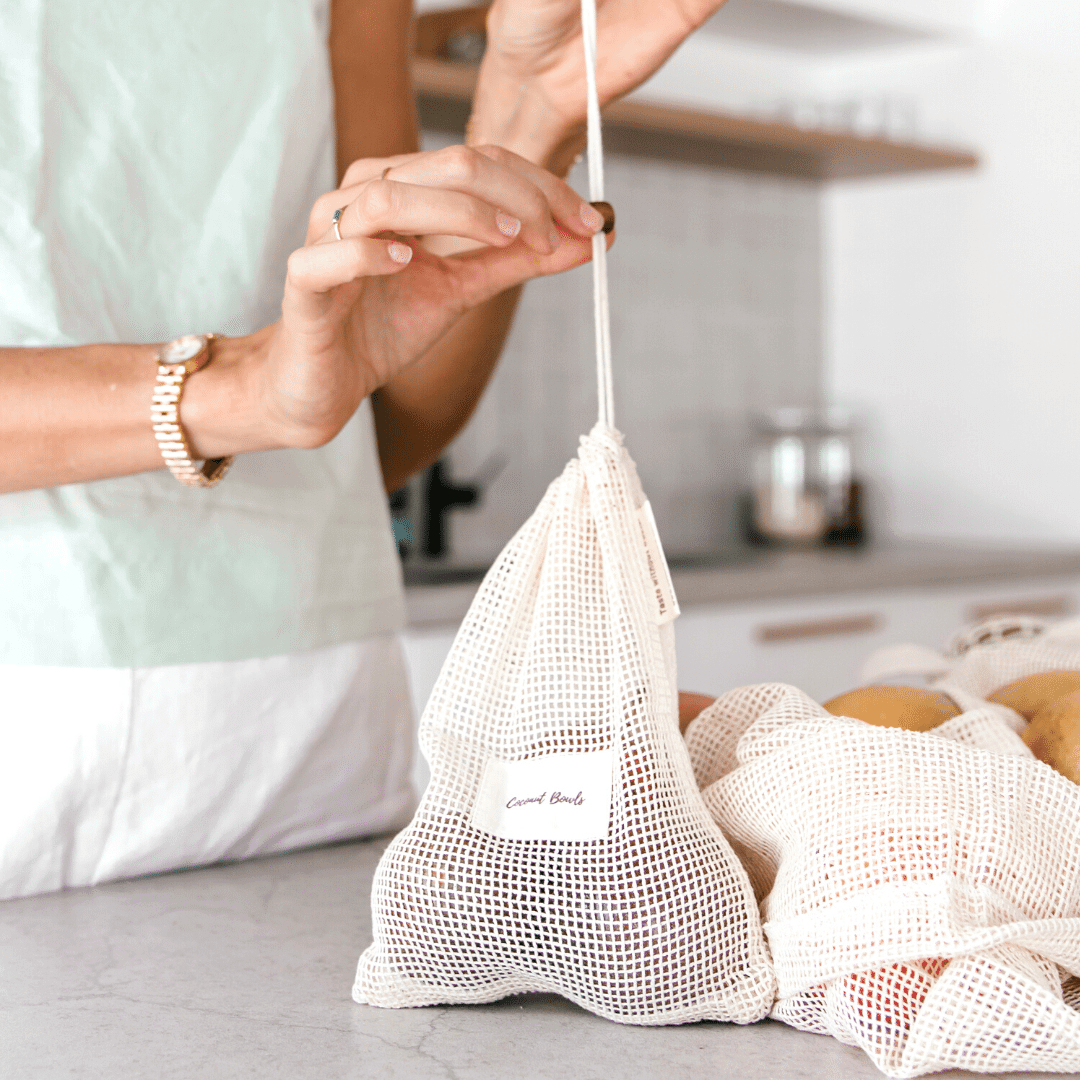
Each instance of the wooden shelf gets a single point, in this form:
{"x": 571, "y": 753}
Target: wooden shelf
{"x": 444, "y": 92}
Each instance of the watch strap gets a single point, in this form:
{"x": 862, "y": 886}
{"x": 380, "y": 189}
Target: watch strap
{"x": 165, "y": 413}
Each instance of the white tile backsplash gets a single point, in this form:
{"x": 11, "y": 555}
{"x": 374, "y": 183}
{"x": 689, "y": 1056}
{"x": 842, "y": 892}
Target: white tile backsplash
{"x": 716, "y": 311}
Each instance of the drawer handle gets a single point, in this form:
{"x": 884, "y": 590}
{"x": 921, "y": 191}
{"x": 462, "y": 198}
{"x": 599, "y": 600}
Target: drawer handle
{"x": 818, "y": 628}
{"x": 1041, "y": 605}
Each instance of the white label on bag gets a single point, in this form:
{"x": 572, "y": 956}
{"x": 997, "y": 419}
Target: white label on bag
{"x": 557, "y": 797}
{"x": 667, "y": 606}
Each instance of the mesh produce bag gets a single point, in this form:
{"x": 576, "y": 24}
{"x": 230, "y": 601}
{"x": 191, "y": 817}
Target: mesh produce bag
{"x": 562, "y": 844}
{"x": 983, "y": 657}
{"x": 986, "y": 656}
{"x": 921, "y": 892}
{"x": 978, "y": 660}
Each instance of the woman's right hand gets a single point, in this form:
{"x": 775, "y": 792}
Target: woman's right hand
{"x": 356, "y": 311}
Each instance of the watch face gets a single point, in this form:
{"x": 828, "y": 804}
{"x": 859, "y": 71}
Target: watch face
{"x": 183, "y": 348}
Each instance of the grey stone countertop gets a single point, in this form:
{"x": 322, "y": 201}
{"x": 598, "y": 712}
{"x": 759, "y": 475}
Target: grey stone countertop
{"x": 777, "y": 575}
{"x": 245, "y": 970}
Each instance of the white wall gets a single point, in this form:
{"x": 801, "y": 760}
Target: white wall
{"x": 954, "y": 300}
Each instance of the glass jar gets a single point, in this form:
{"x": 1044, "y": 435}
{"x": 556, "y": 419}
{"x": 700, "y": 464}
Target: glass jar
{"x": 805, "y": 489}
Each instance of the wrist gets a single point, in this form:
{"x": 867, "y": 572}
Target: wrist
{"x": 514, "y": 112}
{"x": 220, "y": 410}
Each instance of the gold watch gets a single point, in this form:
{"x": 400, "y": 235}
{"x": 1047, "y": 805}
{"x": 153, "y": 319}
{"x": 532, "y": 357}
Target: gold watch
{"x": 176, "y": 361}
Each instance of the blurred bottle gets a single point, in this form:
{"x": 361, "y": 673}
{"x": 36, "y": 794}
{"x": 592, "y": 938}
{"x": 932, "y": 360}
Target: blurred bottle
{"x": 805, "y": 490}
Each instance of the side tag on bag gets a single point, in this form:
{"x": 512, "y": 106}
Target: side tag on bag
{"x": 667, "y": 606}
{"x": 557, "y": 797}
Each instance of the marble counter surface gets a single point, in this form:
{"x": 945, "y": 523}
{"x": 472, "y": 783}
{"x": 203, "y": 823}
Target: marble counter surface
{"x": 775, "y": 575}
{"x": 245, "y": 971}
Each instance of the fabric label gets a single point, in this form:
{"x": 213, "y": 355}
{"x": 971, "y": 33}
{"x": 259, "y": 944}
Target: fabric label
{"x": 557, "y": 797}
{"x": 663, "y": 591}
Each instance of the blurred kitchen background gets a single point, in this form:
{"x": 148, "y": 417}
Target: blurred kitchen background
{"x": 717, "y": 312}
{"x": 865, "y": 203}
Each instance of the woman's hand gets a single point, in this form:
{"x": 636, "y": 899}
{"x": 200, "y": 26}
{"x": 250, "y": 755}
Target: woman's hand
{"x": 531, "y": 92}
{"x": 356, "y": 311}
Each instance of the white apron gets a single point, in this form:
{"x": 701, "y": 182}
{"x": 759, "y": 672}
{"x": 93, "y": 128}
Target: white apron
{"x": 112, "y": 772}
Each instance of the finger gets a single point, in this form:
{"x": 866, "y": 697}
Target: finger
{"x": 494, "y": 171}
{"x": 484, "y": 273}
{"x": 534, "y": 196}
{"x": 318, "y": 268}
{"x": 607, "y": 212}
{"x": 411, "y": 209}
{"x": 537, "y": 198}
{"x": 462, "y": 168}
{"x": 364, "y": 169}
{"x": 568, "y": 208}
{"x": 359, "y": 173}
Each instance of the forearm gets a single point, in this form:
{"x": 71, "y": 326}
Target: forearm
{"x": 78, "y": 414}
{"x": 374, "y": 111}
{"x": 422, "y": 409}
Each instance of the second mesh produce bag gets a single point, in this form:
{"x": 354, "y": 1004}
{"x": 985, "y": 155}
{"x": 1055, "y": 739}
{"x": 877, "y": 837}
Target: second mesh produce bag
{"x": 921, "y": 890}
{"x": 562, "y": 844}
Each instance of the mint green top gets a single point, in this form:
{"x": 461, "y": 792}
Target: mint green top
{"x": 157, "y": 165}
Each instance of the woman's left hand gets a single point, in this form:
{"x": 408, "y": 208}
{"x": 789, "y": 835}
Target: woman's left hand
{"x": 530, "y": 96}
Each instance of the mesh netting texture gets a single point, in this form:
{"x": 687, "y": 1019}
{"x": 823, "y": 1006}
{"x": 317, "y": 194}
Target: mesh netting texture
{"x": 567, "y": 657}
{"x": 920, "y": 891}
{"x": 985, "y": 657}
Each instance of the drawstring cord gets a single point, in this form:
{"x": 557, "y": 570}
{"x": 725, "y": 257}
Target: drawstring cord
{"x": 601, "y": 314}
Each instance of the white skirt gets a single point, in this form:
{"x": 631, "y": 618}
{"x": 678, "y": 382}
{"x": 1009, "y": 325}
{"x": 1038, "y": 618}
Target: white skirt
{"x": 114, "y": 772}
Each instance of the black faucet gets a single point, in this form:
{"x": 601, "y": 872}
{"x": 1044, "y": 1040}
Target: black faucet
{"x": 399, "y": 520}
{"x": 440, "y": 496}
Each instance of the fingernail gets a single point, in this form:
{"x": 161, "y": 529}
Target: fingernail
{"x": 553, "y": 237}
{"x": 605, "y": 212}
{"x": 400, "y": 253}
{"x": 592, "y": 219}
{"x": 507, "y": 225}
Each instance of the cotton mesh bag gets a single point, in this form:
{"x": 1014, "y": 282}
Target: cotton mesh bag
{"x": 920, "y": 891}
{"x": 562, "y": 844}
{"x": 978, "y": 660}
{"x": 987, "y": 655}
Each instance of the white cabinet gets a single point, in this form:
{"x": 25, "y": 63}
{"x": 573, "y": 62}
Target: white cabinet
{"x": 820, "y": 644}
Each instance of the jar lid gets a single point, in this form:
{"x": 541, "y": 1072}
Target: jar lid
{"x": 807, "y": 419}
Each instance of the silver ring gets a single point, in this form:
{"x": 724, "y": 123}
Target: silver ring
{"x": 336, "y": 218}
